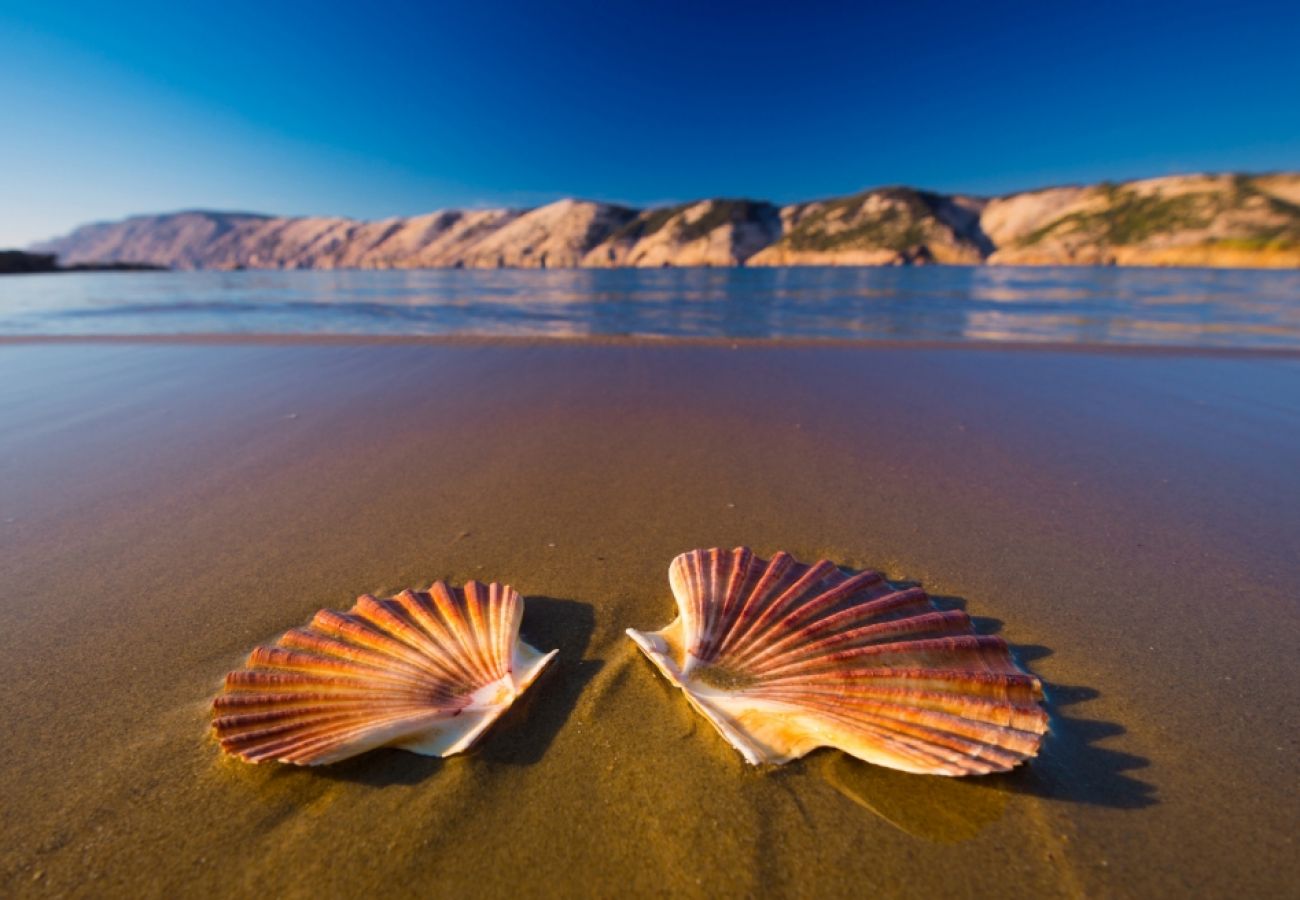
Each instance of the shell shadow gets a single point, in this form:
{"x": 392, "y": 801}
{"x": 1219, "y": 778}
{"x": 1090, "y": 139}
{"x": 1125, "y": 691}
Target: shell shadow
{"x": 526, "y": 731}
{"x": 981, "y": 624}
{"x": 1070, "y": 767}
{"x": 522, "y": 735}
{"x": 382, "y": 768}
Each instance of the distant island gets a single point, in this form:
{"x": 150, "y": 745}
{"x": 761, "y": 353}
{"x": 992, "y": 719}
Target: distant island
{"x": 1221, "y": 220}
{"x": 18, "y": 262}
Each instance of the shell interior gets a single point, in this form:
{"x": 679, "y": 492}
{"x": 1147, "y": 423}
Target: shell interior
{"x": 427, "y": 672}
{"x": 783, "y": 657}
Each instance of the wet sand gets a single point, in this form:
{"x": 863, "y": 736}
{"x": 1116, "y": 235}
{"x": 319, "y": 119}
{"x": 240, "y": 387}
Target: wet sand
{"x": 1129, "y": 521}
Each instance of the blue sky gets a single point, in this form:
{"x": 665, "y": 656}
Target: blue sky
{"x": 377, "y": 109}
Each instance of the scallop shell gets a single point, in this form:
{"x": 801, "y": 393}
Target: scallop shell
{"x": 783, "y": 657}
{"x": 425, "y": 672}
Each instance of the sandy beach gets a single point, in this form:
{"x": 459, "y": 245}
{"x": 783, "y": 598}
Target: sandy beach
{"x": 1129, "y": 521}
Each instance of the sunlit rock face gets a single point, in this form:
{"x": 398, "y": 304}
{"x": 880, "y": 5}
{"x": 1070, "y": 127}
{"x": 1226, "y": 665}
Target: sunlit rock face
{"x": 889, "y": 226}
{"x": 1183, "y": 220}
{"x": 705, "y": 233}
{"x": 1202, "y": 220}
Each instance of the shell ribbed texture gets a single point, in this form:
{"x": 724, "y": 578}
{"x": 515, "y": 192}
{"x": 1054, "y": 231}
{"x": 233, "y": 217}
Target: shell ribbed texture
{"x": 424, "y": 671}
{"x": 783, "y": 657}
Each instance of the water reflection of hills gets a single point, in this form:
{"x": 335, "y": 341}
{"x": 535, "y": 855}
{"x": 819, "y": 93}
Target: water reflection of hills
{"x": 1183, "y": 307}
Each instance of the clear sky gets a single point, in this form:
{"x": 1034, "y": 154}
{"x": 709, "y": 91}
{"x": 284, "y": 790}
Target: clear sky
{"x": 378, "y": 108}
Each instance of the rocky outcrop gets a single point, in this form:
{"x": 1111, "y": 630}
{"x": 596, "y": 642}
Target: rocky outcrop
{"x": 312, "y": 242}
{"x": 436, "y": 240}
{"x": 1198, "y": 220}
{"x": 183, "y": 240}
{"x": 1201, "y": 220}
{"x": 707, "y": 233}
{"x": 556, "y": 236}
{"x": 888, "y": 226}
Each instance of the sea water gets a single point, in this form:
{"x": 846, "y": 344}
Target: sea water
{"x": 1165, "y": 307}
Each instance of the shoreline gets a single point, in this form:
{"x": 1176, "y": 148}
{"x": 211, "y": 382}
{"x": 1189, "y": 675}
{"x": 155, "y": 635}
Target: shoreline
{"x": 129, "y": 268}
{"x": 968, "y": 308}
{"x": 491, "y": 340}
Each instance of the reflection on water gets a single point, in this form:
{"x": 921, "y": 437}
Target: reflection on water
{"x": 1176, "y": 307}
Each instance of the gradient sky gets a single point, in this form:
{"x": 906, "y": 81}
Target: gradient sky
{"x": 377, "y": 109}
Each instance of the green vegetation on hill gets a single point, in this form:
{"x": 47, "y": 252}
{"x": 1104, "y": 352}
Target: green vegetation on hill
{"x": 1284, "y": 234}
{"x": 13, "y": 262}
{"x": 647, "y": 223}
{"x": 1130, "y": 218}
{"x": 840, "y": 224}
{"x": 20, "y": 262}
{"x": 719, "y": 213}
{"x": 1196, "y": 219}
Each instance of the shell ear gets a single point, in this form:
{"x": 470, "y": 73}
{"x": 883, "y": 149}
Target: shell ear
{"x": 426, "y": 672}
{"x": 783, "y": 657}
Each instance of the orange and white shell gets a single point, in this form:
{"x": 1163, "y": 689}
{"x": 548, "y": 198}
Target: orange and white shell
{"x": 426, "y": 672}
{"x": 783, "y": 657}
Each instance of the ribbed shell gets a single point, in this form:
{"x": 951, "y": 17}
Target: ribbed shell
{"x": 426, "y": 672}
{"x": 783, "y": 657}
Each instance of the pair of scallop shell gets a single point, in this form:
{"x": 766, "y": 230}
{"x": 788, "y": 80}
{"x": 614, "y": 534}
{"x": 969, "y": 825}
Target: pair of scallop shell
{"x": 781, "y": 657}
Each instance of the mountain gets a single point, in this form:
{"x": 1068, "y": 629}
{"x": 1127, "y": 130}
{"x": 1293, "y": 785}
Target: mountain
{"x": 1182, "y": 220}
{"x": 183, "y": 240}
{"x": 705, "y": 233}
{"x": 882, "y": 227}
{"x": 557, "y": 236}
{"x": 1188, "y": 220}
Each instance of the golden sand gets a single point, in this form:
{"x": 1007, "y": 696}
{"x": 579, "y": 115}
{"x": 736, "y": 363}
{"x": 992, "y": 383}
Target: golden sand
{"x": 1129, "y": 522}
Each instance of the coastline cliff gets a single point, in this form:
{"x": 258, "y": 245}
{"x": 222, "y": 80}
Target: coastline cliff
{"x": 1221, "y": 220}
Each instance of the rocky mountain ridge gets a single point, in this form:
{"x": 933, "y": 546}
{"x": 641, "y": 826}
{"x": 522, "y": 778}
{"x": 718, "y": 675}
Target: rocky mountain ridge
{"x": 1193, "y": 220}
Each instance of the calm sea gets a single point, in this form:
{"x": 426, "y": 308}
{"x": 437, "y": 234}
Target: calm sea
{"x": 1169, "y": 307}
